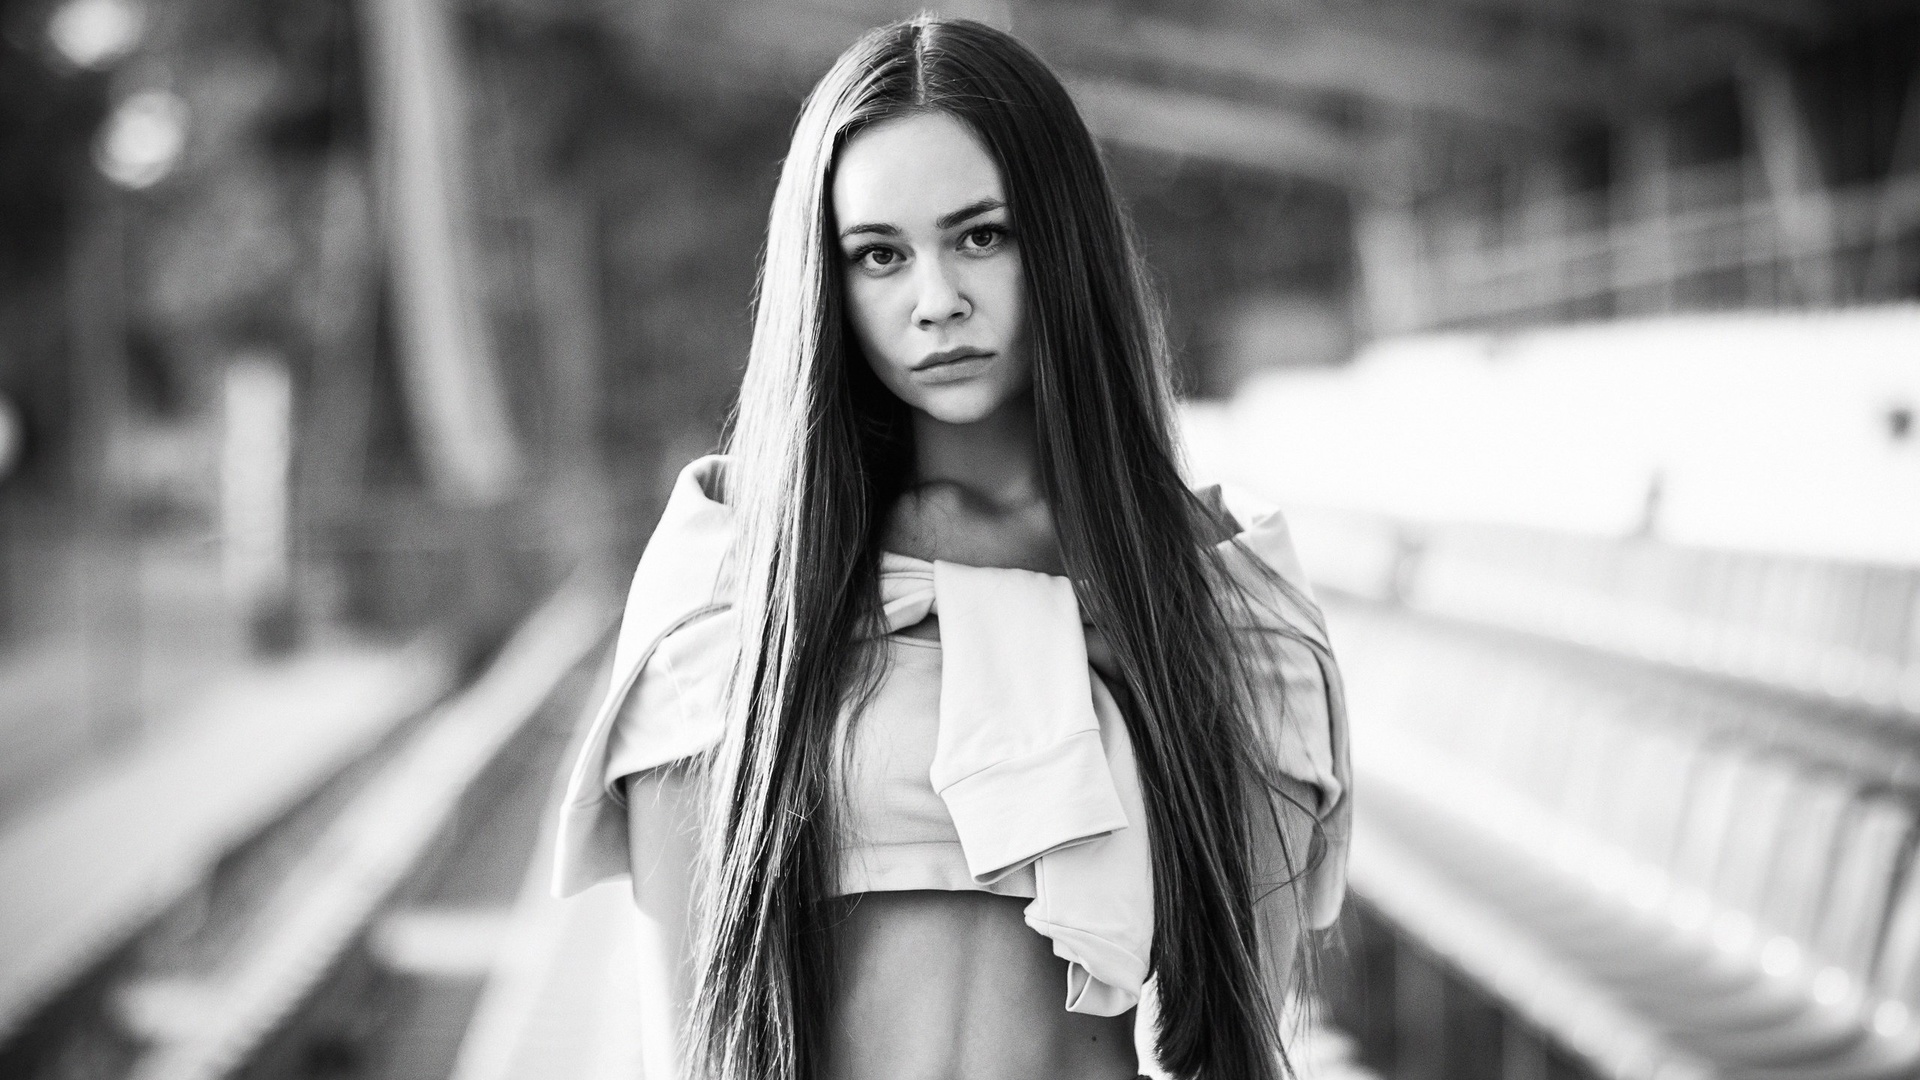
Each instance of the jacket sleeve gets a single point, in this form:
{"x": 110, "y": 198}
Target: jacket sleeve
{"x": 674, "y": 710}
{"x": 672, "y": 639}
{"x": 1299, "y": 704}
{"x": 1298, "y": 698}
{"x": 663, "y": 706}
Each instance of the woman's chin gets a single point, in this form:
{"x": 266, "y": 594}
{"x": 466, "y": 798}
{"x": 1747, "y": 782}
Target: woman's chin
{"x": 963, "y": 404}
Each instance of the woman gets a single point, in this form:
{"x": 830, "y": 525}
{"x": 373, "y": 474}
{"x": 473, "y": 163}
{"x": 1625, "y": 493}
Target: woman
{"x": 941, "y": 693}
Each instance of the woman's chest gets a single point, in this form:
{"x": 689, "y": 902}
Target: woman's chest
{"x": 936, "y": 525}
{"x": 887, "y": 745}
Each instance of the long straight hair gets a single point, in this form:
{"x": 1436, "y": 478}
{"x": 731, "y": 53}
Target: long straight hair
{"x": 820, "y": 449}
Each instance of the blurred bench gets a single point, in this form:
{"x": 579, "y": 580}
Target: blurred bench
{"x": 1659, "y": 800}
{"x": 1835, "y": 631}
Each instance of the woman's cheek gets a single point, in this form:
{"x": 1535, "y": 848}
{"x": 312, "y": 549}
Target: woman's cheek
{"x": 902, "y": 342}
{"x": 868, "y": 319}
{"x": 881, "y": 317}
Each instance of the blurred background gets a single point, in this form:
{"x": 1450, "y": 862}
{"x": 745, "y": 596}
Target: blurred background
{"x": 348, "y": 349}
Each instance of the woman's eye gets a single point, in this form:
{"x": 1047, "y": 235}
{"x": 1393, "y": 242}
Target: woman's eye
{"x": 984, "y": 238}
{"x": 875, "y": 258}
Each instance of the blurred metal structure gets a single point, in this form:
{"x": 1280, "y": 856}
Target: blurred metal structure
{"x": 421, "y": 148}
{"x": 1504, "y": 162}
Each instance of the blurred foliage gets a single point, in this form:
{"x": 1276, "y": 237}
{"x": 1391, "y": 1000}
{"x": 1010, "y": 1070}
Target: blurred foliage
{"x": 677, "y": 180}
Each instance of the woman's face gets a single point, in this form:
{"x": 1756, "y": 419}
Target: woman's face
{"x": 933, "y": 278}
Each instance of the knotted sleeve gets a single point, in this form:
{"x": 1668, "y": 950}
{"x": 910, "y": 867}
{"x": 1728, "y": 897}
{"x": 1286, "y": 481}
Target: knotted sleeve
{"x": 1035, "y": 767}
{"x": 1019, "y": 761}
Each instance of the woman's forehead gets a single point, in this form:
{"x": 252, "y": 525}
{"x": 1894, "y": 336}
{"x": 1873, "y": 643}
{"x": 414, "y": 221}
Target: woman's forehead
{"x": 910, "y": 172}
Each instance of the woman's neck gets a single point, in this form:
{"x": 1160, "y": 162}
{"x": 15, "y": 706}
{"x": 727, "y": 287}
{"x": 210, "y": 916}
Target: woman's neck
{"x": 995, "y": 460}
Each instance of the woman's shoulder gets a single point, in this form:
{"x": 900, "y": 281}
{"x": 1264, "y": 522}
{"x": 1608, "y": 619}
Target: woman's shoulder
{"x": 682, "y": 570}
{"x": 703, "y": 481}
{"x": 1257, "y": 551}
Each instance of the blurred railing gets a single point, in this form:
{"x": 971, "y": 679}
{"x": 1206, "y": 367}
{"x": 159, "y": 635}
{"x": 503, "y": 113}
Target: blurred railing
{"x": 1725, "y": 249}
{"x": 312, "y": 835}
{"x": 114, "y": 623}
{"x": 1839, "y": 632}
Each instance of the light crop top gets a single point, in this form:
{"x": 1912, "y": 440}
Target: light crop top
{"x": 995, "y": 759}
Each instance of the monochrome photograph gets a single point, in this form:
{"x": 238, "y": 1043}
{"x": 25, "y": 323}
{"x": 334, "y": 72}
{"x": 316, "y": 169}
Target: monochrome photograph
{"x": 996, "y": 540}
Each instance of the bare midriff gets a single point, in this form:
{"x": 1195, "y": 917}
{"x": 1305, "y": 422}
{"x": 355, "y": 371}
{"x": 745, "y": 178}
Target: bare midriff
{"x": 956, "y": 986}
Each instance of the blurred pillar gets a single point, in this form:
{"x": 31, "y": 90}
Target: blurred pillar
{"x": 337, "y": 295}
{"x": 1545, "y": 222}
{"x": 11, "y": 437}
{"x": 337, "y": 299}
{"x": 1790, "y": 162}
{"x": 1386, "y": 239}
{"x": 256, "y": 451}
{"x": 416, "y": 99}
{"x": 1643, "y": 216}
{"x": 1884, "y": 274}
{"x": 1394, "y": 275}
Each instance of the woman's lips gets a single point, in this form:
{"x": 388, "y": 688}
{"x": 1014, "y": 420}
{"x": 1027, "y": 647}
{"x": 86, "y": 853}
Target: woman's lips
{"x": 951, "y": 366}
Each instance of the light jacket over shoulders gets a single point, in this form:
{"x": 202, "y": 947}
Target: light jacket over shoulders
{"x": 677, "y": 586}
{"x": 1031, "y": 788}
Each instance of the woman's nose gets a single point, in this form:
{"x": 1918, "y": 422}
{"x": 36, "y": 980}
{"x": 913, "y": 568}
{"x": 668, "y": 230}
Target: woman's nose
{"x": 939, "y": 299}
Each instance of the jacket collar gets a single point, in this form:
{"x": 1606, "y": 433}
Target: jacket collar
{"x": 685, "y": 561}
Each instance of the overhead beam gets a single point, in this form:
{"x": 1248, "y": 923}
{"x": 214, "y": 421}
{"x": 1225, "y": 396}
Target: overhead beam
{"x": 1424, "y": 68}
{"x": 801, "y": 38}
{"x": 1793, "y": 15}
{"x": 1214, "y": 129}
{"x": 1448, "y": 61}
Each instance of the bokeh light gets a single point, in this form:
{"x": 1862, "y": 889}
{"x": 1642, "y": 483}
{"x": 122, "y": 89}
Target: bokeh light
{"x": 95, "y": 33}
{"x": 143, "y": 139}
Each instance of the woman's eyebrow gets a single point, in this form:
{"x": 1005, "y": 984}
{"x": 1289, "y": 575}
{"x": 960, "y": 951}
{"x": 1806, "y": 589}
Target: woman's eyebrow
{"x": 945, "y": 221}
{"x": 875, "y": 227}
{"x": 972, "y": 209}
